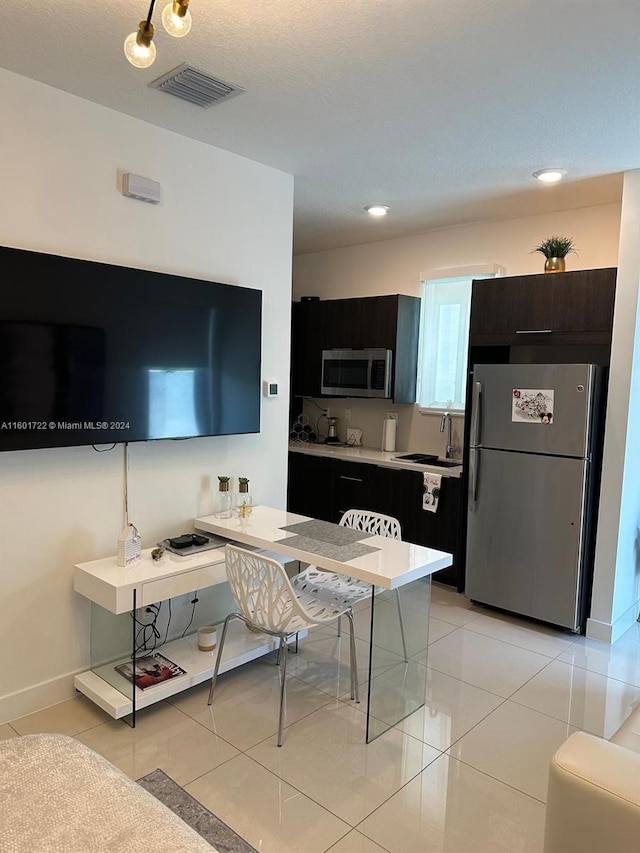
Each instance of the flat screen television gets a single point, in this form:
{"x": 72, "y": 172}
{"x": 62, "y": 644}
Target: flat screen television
{"x": 92, "y": 353}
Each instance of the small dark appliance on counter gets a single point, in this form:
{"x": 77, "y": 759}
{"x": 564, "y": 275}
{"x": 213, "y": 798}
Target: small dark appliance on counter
{"x": 332, "y": 437}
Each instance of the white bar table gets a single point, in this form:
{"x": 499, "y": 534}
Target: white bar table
{"x": 395, "y": 687}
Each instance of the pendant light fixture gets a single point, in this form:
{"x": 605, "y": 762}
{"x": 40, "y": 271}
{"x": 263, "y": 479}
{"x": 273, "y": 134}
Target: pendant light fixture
{"x": 139, "y": 47}
{"x": 176, "y": 18}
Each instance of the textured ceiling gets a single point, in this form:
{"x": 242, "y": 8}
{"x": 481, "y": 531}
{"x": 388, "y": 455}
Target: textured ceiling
{"x": 441, "y": 109}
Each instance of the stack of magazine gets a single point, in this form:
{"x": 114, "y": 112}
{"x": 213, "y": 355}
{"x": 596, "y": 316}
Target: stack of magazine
{"x": 149, "y": 670}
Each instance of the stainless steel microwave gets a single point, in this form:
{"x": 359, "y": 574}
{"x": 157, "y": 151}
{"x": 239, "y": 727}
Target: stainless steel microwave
{"x": 357, "y": 372}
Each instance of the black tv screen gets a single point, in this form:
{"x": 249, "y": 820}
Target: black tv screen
{"x": 92, "y": 353}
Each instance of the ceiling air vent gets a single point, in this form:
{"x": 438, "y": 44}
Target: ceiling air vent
{"x": 195, "y": 86}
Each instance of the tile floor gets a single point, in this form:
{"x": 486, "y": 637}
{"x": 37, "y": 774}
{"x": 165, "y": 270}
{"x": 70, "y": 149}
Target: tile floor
{"x": 465, "y": 774}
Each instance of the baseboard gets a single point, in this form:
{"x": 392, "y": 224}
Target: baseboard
{"x": 624, "y": 622}
{"x": 609, "y": 632}
{"x": 597, "y": 630}
{"x": 37, "y": 697}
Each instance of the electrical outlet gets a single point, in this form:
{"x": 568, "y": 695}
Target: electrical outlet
{"x": 347, "y": 414}
{"x": 327, "y": 411}
{"x": 392, "y": 416}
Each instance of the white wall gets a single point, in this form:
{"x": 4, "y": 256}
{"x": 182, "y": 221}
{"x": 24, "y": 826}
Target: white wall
{"x": 397, "y": 266}
{"x": 616, "y": 589}
{"x": 394, "y": 266}
{"x": 61, "y": 161}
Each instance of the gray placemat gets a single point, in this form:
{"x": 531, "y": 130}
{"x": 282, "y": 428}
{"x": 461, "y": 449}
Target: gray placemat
{"x": 344, "y": 553}
{"x": 325, "y": 531}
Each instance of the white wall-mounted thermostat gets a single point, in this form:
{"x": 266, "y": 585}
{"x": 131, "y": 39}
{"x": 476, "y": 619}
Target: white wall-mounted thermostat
{"x": 142, "y": 189}
{"x": 270, "y": 388}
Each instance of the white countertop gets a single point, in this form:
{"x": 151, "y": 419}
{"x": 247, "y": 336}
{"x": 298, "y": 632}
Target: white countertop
{"x": 368, "y": 454}
{"x": 392, "y": 564}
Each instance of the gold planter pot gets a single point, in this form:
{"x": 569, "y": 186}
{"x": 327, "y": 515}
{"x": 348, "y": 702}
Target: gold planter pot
{"x": 554, "y": 265}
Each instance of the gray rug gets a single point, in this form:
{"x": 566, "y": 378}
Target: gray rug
{"x": 193, "y": 813}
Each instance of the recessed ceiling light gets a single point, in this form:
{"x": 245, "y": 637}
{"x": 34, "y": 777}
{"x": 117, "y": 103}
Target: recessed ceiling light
{"x": 550, "y": 176}
{"x": 377, "y": 209}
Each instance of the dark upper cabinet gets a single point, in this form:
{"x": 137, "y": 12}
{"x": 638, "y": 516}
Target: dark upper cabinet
{"x": 390, "y": 322}
{"x": 363, "y": 323}
{"x": 560, "y": 308}
{"x": 307, "y": 338}
{"x": 584, "y": 302}
{"x": 502, "y": 306}
{"x": 342, "y": 323}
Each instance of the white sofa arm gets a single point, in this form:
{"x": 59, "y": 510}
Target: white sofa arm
{"x": 593, "y": 802}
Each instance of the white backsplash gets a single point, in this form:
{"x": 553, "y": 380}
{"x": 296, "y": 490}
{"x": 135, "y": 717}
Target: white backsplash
{"x": 415, "y": 432}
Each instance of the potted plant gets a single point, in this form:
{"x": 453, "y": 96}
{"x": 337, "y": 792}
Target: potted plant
{"x": 555, "y": 249}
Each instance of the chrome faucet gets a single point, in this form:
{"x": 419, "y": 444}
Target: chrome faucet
{"x": 446, "y": 422}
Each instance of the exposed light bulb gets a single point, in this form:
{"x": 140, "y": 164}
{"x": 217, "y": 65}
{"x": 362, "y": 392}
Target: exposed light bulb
{"x": 176, "y": 18}
{"x": 377, "y": 209}
{"x": 550, "y": 176}
{"x": 139, "y": 47}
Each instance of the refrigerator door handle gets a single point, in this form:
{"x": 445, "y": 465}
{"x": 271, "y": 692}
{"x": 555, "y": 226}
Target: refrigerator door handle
{"x": 473, "y": 478}
{"x": 475, "y": 414}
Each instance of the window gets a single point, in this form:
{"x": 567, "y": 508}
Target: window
{"x": 444, "y": 338}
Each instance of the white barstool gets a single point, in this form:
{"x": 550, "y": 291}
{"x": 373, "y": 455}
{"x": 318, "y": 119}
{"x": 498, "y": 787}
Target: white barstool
{"x": 349, "y": 591}
{"x": 269, "y": 603}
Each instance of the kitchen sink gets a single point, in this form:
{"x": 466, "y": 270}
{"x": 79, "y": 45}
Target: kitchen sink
{"x": 418, "y": 458}
{"x": 427, "y": 459}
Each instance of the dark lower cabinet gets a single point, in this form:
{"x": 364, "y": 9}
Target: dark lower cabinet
{"x": 325, "y": 488}
{"x": 360, "y": 485}
{"x": 440, "y": 529}
{"x": 355, "y": 487}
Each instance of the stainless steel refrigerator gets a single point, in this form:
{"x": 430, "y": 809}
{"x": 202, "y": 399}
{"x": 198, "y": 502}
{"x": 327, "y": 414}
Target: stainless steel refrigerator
{"x": 531, "y": 488}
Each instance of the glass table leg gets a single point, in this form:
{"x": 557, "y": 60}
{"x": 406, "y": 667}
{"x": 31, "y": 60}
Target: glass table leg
{"x": 399, "y": 640}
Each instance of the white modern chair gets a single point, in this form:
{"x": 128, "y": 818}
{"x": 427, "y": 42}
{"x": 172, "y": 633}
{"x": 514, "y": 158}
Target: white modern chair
{"x": 268, "y": 603}
{"x": 330, "y": 586}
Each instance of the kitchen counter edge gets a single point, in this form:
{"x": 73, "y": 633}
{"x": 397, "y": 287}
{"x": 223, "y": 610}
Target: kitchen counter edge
{"x": 370, "y": 456}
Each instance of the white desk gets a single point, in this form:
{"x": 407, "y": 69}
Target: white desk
{"x": 395, "y": 687}
{"x": 389, "y": 563}
{"x": 393, "y": 564}
{"x": 118, "y": 591}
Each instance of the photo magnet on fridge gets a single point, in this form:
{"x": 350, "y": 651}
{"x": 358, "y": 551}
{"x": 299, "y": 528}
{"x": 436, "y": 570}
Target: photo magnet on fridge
{"x": 532, "y": 406}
